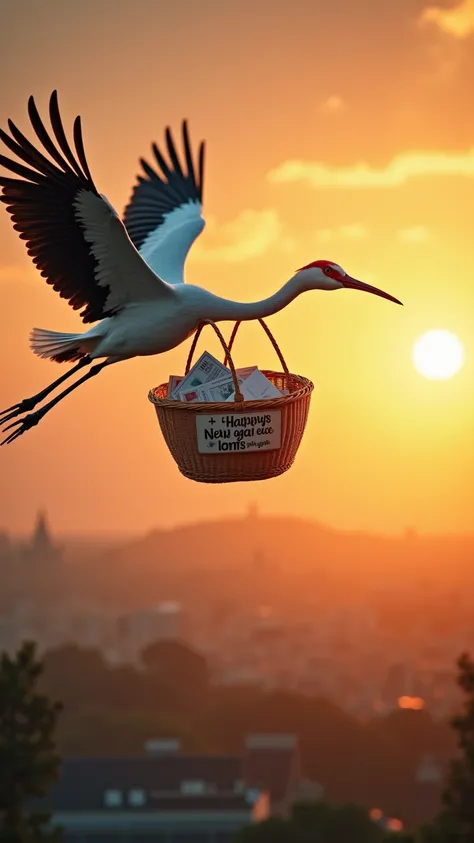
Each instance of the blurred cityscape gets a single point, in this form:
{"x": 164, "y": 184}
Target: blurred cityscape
{"x": 371, "y": 623}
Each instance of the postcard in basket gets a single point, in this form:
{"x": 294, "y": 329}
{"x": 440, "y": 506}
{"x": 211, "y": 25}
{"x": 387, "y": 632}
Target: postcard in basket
{"x": 256, "y": 386}
{"x": 205, "y": 370}
{"x": 173, "y": 382}
{"x": 218, "y": 390}
{"x": 245, "y": 371}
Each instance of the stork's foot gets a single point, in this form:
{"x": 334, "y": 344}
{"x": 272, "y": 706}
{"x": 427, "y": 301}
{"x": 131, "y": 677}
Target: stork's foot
{"x": 21, "y": 426}
{"x": 17, "y": 409}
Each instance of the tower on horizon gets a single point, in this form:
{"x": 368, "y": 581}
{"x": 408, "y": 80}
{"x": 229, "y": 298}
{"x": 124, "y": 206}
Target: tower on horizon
{"x": 41, "y": 547}
{"x": 252, "y": 511}
{"x": 41, "y": 539}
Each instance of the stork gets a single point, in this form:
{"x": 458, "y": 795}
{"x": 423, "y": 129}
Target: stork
{"x": 127, "y": 275}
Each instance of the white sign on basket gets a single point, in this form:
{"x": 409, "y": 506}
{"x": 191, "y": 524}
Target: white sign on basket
{"x": 238, "y": 433}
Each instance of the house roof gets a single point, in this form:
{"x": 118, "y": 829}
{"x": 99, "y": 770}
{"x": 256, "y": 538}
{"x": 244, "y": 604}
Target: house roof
{"x": 83, "y": 781}
{"x": 269, "y": 763}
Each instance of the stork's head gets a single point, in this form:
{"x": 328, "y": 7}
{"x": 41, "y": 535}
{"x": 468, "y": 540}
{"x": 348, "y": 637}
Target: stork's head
{"x": 326, "y": 275}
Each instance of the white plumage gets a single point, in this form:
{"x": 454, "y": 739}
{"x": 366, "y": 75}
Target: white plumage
{"x": 165, "y": 249}
{"x": 128, "y": 276}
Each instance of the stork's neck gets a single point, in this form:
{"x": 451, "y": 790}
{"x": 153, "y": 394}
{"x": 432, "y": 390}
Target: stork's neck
{"x": 221, "y": 309}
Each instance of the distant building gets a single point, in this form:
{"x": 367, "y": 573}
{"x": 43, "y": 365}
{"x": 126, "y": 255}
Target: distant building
{"x": 272, "y": 763}
{"x": 398, "y": 683}
{"x": 165, "y": 796}
{"x": 41, "y": 561}
{"x": 32, "y": 570}
{"x": 428, "y": 785}
{"x": 252, "y": 511}
{"x": 41, "y": 551}
{"x": 156, "y": 623}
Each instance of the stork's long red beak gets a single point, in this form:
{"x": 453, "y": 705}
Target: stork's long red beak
{"x": 353, "y": 284}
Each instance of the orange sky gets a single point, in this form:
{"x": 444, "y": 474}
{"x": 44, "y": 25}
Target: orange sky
{"x": 327, "y": 86}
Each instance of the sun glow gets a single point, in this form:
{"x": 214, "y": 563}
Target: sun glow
{"x": 413, "y": 703}
{"x": 438, "y": 355}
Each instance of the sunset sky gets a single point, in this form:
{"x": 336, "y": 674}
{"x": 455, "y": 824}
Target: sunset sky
{"x": 341, "y": 130}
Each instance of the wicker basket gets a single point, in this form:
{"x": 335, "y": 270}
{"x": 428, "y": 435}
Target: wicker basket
{"x": 272, "y": 440}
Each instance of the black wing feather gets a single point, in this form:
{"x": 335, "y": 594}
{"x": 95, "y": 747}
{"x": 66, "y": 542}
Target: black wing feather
{"x": 61, "y": 138}
{"x": 158, "y": 193}
{"x": 25, "y": 150}
{"x": 172, "y": 153}
{"x": 20, "y": 170}
{"x": 41, "y": 206}
{"x": 188, "y": 155}
{"x": 43, "y": 136}
{"x": 201, "y": 166}
{"x": 79, "y": 144}
{"x": 162, "y": 162}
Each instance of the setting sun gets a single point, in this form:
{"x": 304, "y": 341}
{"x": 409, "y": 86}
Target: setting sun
{"x": 438, "y": 355}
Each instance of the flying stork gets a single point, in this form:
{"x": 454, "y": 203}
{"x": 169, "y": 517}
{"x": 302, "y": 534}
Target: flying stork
{"x": 126, "y": 275}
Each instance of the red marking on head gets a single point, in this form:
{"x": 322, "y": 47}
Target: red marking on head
{"x": 327, "y": 267}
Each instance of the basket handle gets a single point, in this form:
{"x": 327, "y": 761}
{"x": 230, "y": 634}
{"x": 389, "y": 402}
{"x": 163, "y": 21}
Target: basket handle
{"x": 238, "y": 397}
{"x": 270, "y": 337}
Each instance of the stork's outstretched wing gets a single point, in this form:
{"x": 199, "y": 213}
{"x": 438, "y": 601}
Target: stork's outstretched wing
{"x": 163, "y": 217}
{"x": 72, "y": 232}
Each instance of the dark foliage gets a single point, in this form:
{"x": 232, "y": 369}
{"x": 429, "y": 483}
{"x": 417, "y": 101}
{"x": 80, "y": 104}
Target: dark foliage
{"x": 28, "y": 760}
{"x": 317, "y": 822}
{"x": 115, "y": 710}
{"x": 459, "y": 794}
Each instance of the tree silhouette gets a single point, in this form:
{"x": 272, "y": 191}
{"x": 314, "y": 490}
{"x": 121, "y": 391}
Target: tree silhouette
{"x": 273, "y": 830}
{"x": 71, "y": 672}
{"x": 181, "y": 674}
{"x": 28, "y": 762}
{"x": 316, "y": 822}
{"x": 458, "y": 797}
{"x": 335, "y": 823}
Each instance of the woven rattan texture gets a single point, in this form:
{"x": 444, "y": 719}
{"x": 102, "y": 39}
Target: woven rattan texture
{"x": 178, "y": 424}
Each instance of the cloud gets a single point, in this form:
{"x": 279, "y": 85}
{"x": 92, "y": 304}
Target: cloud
{"x": 457, "y": 21}
{"x": 415, "y": 234}
{"x": 333, "y": 105}
{"x": 18, "y": 274}
{"x": 354, "y": 231}
{"x": 249, "y": 235}
{"x": 363, "y": 175}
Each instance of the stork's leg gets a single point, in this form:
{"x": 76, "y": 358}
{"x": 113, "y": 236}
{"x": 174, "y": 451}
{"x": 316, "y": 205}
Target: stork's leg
{"x": 30, "y": 403}
{"x": 31, "y": 420}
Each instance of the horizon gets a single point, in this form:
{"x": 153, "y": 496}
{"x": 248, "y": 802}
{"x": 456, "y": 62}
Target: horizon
{"x": 124, "y": 535}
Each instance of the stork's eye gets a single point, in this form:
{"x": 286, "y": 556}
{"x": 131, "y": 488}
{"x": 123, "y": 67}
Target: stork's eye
{"x": 328, "y": 270}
